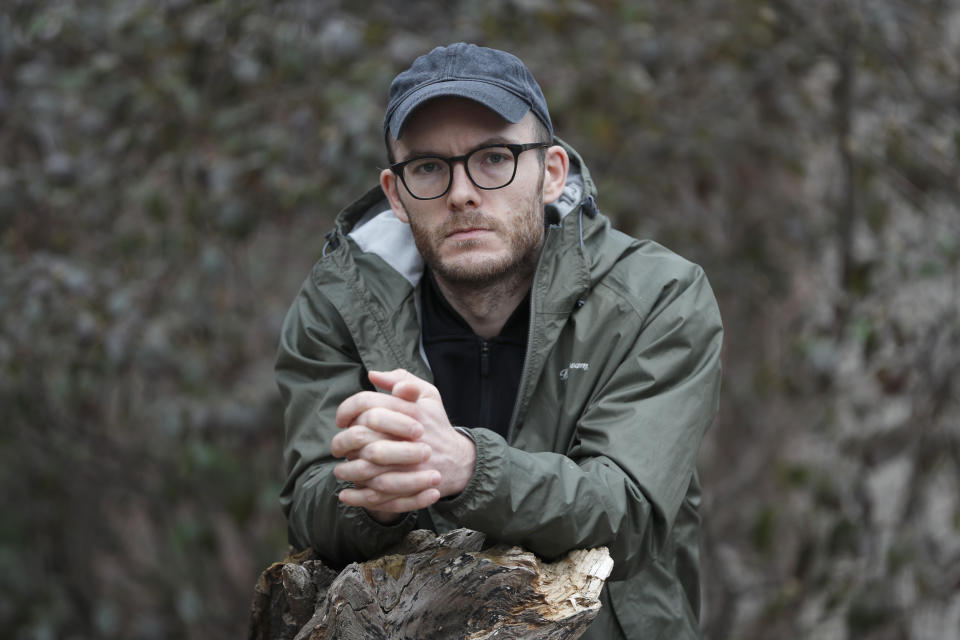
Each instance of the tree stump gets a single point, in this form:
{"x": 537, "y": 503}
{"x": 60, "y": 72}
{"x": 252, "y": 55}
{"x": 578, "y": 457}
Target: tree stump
{"x": 432, "y": 587}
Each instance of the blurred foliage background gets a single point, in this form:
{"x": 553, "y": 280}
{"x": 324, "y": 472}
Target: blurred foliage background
{"x": 168, "y": 169}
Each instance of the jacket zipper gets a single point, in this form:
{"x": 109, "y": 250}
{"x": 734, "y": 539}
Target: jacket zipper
{"x": 485, "y": 384}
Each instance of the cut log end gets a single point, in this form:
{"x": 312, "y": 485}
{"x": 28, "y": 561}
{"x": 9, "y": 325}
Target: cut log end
{"x": 573, "y": 583}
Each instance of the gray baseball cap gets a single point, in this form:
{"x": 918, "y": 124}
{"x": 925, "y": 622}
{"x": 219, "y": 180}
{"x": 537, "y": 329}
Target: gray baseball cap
{"x": 496, "y": 79}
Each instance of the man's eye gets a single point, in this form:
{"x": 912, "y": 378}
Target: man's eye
{"x": 425, "y": 167}
{"x": 494, "y": 157}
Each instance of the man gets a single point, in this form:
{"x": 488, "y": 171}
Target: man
{"x": 542, "y": 378}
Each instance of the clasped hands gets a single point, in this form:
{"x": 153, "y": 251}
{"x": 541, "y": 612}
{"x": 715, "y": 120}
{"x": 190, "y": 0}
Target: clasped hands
{"x": 401, "y": 452}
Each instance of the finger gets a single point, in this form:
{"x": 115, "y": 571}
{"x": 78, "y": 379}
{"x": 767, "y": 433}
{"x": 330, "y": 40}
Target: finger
{"x": 349, "y": 442}
{"x": 413, "y": 503}
{"x": 403, "y": 384}
{"x": 370, "y": 499}
{"x": 389, "y": 453}
{"x": 358, "y": 471}
{"x": 351, "y": 408}
{"x": 392, "y": 423}
{"x": 412, "y": 390}
{"x": 405, "y": 483}
{"x": 386, "y": 379}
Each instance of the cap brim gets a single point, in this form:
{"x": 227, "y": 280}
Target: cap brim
{"x": 502, "y": 102}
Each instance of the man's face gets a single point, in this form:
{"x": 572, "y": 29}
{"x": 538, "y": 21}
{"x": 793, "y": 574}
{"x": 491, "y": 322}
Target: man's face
{"x": 471, "y": 236}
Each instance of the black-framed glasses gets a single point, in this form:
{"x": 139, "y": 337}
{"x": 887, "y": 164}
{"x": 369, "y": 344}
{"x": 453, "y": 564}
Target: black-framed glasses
{"x": 491, "y": 166}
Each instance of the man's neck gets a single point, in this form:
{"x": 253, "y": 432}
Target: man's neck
{"x": 487, "y": 309}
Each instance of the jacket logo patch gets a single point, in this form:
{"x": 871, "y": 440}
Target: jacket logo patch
{"x": 582, "y": 366}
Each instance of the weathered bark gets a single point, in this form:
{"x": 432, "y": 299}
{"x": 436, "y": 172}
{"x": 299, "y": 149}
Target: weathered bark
{"x": 432, "y": 587}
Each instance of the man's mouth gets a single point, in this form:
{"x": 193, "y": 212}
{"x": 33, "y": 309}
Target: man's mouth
{"x": 467, "y": 232}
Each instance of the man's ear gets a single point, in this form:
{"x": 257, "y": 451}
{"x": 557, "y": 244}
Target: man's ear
{"x": 391, "y": 185}
{"x": 555, "y": 166}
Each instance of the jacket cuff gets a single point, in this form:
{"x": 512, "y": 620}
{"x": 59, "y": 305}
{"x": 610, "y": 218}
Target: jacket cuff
{"x": 364, "y": 519}
{"x": 467, "y": 433}
{"x": 372, "y": 536}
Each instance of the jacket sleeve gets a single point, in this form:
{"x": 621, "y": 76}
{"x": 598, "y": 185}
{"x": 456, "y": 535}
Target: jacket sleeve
{"x": 626, "y": 471}
{"x": 317, "y": 367}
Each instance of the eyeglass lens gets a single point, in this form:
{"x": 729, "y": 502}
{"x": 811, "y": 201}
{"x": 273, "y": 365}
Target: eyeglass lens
{"x": 489, "y": 168}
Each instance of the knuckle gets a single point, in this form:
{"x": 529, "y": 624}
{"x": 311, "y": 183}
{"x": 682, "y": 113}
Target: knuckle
{"x": 383, "y": 484}
{"x": 360, "y": 437}
{"x": 376, "y": 451}
{"x": 364, "y": 470}
{"x": 380, "y": 416}
{"x": 350, "y": 472}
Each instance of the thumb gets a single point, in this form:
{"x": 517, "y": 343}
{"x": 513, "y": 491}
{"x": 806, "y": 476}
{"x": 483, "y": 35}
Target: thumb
{"x": 386, "y": 380}
{"x": 402, "y": 384}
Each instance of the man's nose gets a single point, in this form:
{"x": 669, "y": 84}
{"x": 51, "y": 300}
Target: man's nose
{"x": 463, "y": 193}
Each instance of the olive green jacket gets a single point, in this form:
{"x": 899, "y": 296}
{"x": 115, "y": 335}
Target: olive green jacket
{"x": 621, "y": 380}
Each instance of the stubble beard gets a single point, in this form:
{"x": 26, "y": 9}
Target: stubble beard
{"x": 517, "y": 266}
